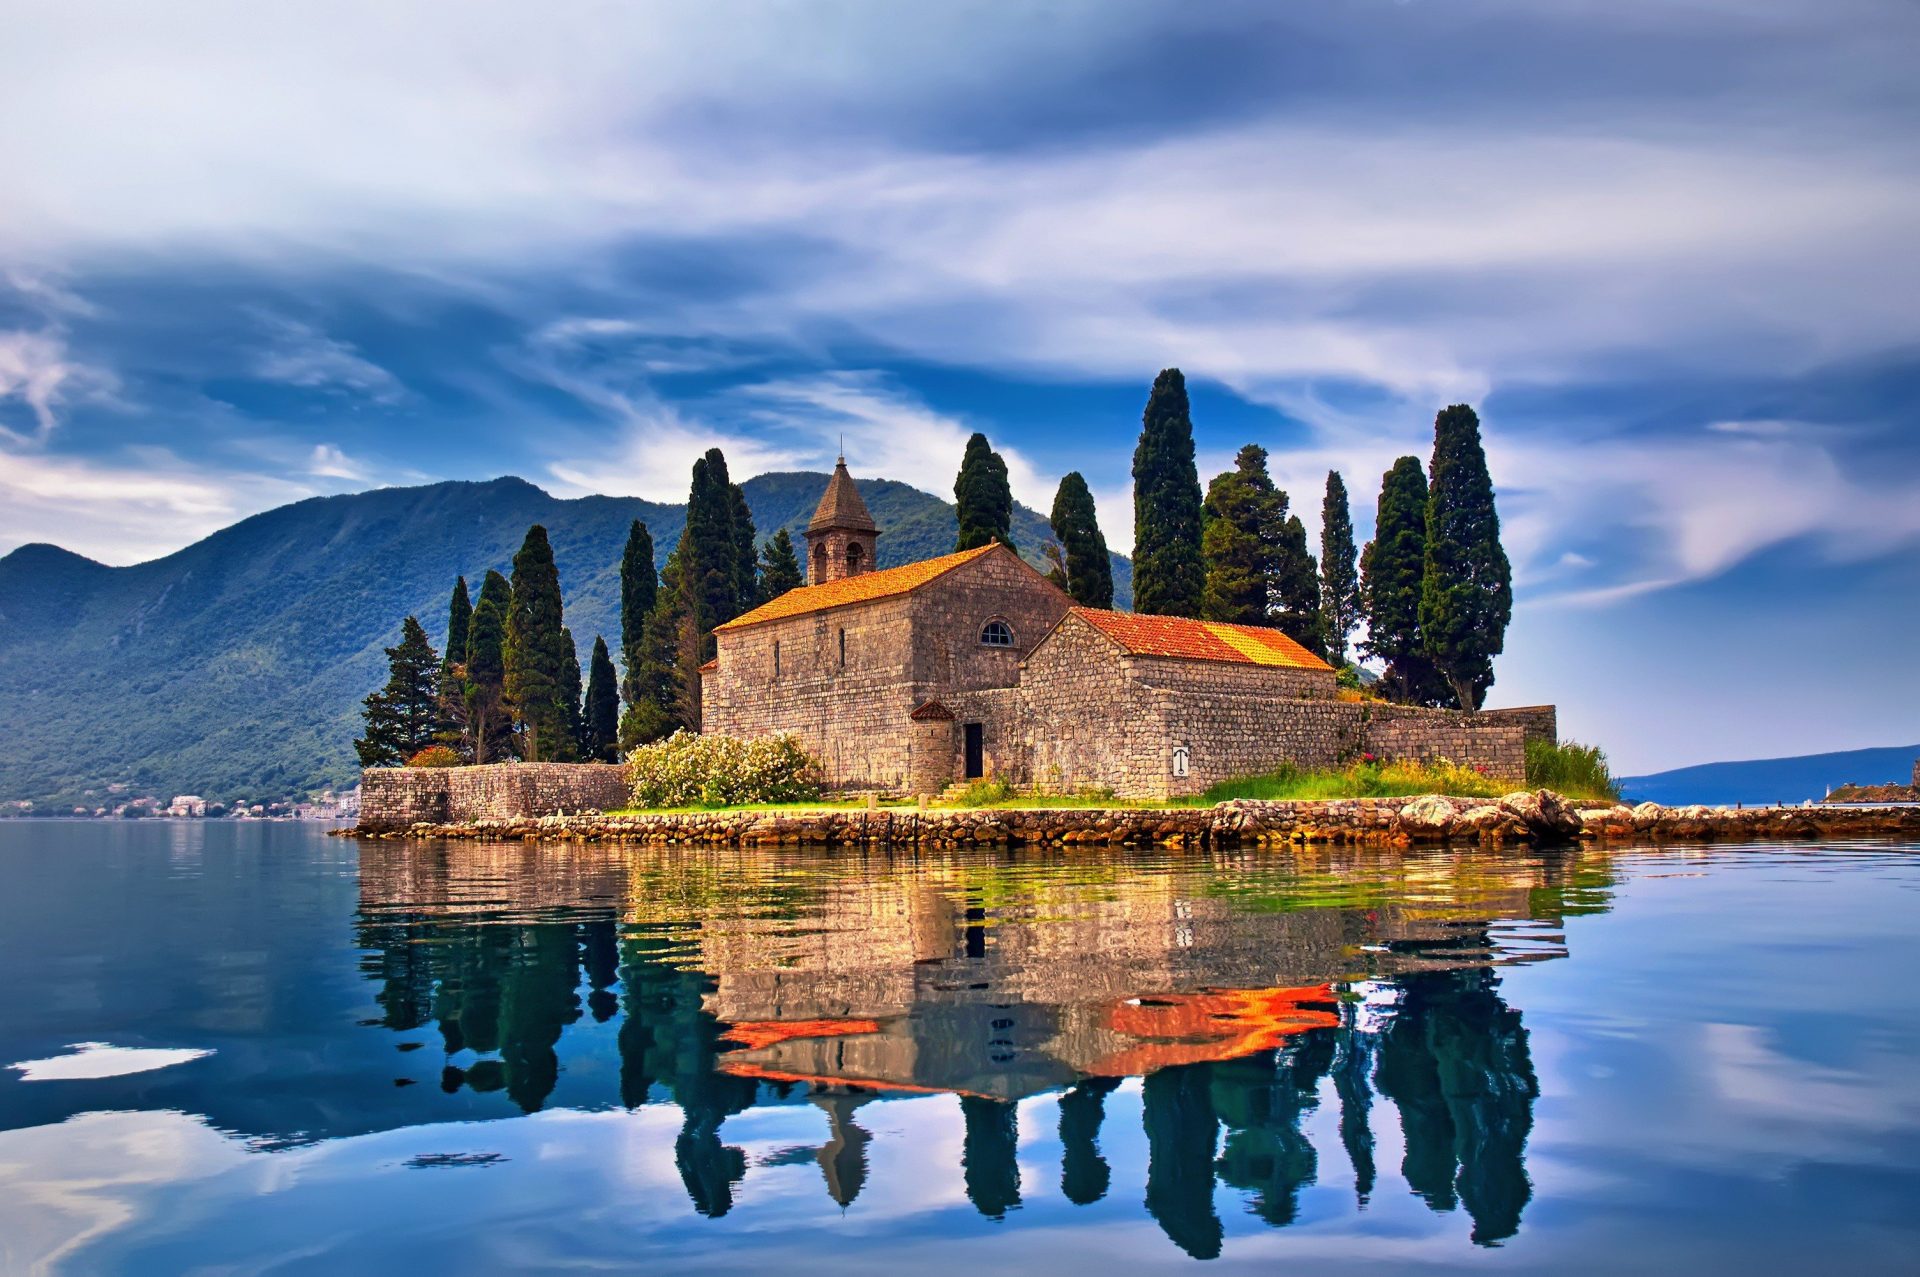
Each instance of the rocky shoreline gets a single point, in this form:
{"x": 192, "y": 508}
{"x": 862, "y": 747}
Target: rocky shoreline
{"x": 1524, "y": 818}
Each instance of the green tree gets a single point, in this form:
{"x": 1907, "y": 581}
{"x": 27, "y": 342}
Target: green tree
{"x": 536, "y": 654}
{"x": 779, "y": 567}
{"x": 1087, "y": 566}
{"x": 746, "y": 551}
{"x": 1296, "y": 586}
{"x": 489, "y": 713}
{"x": 1241, "y": 524}
{"x": 1339, "y": 579}
{"x": 983, "y": 501}
{"x": 1466, "y": 598}
{"x": 667, "y": 649}
{"x": 1168, "y": 574}
{"x": 708, "y": 552}
{"x": 571, "y": 690}
{"x": 459, "y": 616}
{"x": 401, "y": 717}
{"x": 599, "y": 738}
{"x": 1392, "y": 569}
{"x": 639, "y": 586}
{"x": 450, "y": 694}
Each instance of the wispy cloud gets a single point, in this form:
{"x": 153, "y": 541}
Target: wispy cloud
{"x": 299, "y": 354}
{"x": 37, "y": 370}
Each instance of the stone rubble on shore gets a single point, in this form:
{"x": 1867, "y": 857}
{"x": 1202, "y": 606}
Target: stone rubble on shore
{"x": 1522, "y": 818}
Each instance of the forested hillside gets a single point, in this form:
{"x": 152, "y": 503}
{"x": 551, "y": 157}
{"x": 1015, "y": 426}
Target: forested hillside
{"x": 236, "y": 666}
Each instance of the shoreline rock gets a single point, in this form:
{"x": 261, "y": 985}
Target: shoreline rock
{"x": 1524, "y": 818}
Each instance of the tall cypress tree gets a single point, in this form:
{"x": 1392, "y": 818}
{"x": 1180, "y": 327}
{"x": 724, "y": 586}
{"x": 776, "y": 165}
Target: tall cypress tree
{"x": 1296, "y": 586}
{"x": 746, "y": 550}
{"x": 1466, "y": 597}
{"x": 489, "y": 713}
{"x": 1242, "y": 521}
{"x": 709, "y": 575}
{"x": 1339, "y": 581}
{"x": 602, "y": 718}
{"x": 450, "y": 695}
{"x": 570, "y": 691}
{"x": 983, "y": 501}
{"x": 639, "y": 585}
{"x": 401, "y": 717}
{"x": 459, "y": 616}
{"x": 1168, "y": 575}
{"x": 1089, "y": 569}
{"x": 779, "y": 567}
{"x": 536, "y": 654}
{"x": 1392, "y": 569}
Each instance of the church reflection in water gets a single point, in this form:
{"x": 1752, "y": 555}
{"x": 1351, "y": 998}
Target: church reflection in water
{"x": 1248, "y": 993}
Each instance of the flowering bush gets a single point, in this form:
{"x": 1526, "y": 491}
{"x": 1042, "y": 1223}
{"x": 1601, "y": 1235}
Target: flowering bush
{"x": 435, "y": 756}
{"x": 689, "y": 770}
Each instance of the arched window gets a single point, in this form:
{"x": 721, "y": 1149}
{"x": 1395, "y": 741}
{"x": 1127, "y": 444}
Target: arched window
{"x": 854, "y": 553}
{"x": 819, "y": 564}
{"x": 997, "y": 633}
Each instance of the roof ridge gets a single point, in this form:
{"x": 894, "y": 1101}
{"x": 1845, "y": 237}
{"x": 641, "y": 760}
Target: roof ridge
{"x": 884, "y": 583}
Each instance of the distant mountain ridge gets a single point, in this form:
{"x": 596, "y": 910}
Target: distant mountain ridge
{"x": 1760, "y": 781}
{"x": 235, "y": 667}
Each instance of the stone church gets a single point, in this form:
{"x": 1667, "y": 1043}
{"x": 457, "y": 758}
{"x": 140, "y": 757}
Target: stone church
{"x": 974, "y": 665}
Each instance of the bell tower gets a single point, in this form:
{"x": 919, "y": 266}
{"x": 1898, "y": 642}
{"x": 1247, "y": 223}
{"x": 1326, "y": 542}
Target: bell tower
{"x": 841, "y": 536}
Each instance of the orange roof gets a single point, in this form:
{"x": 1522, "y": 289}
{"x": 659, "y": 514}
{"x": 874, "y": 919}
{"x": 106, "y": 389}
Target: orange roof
{"x": 1193, "y": 640}
{"x": 855, "y": 589}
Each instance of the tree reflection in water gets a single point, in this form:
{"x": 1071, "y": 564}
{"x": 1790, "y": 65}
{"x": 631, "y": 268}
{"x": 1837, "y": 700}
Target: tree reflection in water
{"x": 1230, "y": 1073}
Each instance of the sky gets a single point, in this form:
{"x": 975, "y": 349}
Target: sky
{"x": 250, "y": 253}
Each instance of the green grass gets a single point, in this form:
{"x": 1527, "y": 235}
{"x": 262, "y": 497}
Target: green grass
{"x": 1358, "y": 780}
{"x": 1570, "y": 768}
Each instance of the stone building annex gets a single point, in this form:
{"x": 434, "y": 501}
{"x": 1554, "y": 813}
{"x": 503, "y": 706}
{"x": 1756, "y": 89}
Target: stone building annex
{"x": 974, "y": 664}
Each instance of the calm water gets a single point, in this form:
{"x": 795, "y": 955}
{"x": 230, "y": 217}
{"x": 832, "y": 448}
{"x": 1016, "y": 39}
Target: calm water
{"x": 314, "y": 1057}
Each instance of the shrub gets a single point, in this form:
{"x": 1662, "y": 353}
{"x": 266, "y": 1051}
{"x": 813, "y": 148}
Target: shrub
{"x": 984, "y": 792}
{"x": 1369, "y": 777}
{"x": 694, "y": 770}
{"x": 435, "y": 756}
{"x": 1570, "y": 768}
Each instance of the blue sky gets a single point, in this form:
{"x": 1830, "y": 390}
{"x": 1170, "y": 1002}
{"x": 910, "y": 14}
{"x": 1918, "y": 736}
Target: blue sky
{"x": 250, "y": 253}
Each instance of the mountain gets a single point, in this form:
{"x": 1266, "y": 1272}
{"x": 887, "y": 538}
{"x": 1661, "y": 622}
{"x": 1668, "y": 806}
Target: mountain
{"x": 236, "y": 666}
{"x": 1759, "y": 781}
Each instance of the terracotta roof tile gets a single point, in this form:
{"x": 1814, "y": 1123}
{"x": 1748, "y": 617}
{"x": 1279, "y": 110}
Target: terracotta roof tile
{"x": 840, "y": 505}
{"x": 855, "y": 589}
{"x": 1188, "y": 639}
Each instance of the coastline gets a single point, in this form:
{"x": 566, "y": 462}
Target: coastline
{"x": 1519, "y": 819}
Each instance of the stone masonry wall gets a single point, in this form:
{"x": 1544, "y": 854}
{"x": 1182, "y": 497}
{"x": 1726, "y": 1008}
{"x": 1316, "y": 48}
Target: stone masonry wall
{"x": 1499, "y": 749}
{"x": 395, "y": 797}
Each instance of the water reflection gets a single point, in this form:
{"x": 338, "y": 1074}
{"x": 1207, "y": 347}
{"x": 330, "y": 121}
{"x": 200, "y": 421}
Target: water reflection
{"x": 1244, "y": 994}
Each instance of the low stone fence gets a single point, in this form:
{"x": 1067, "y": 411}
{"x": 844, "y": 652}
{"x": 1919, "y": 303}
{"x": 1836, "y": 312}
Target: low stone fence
{"x": 397, "y": 797}
{"x": 1519, "y": 818}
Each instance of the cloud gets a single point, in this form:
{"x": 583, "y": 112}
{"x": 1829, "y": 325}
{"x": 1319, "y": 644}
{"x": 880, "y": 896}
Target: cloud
{"x": 300, "y": 355}
{"x": 329, "y": 462}
{"x": 36, "y": 369}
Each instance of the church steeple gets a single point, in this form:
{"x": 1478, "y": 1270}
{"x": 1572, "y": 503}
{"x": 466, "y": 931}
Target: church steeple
{"x": 841, "y": 536}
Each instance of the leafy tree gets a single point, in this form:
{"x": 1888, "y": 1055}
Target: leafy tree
{"x": 1466, "y": 597}
{"x": 401, "y": 717}
{"x": 639, "y": 585}
{"x": 536, "y": 654}
{"x": 779, "y": 567}
{"x": 1168, "y": 574}
{"x": 1088, "y": 569}
{"x": 570, "y": 689}
{"x": 1391, "y": 573}
{"x": 983, "y": 501}
{"x": 1296, "y": 586}
{"x": 1242, "y": 521}
{"x": 602, "y": 718}
{"x": 489, "y": 713}
{"x": 1339, "y": 582}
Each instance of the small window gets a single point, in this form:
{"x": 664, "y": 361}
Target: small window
{"x": 776, "y": 658}
{"x": 854, "y": 553}
{"x": 843, "y": 649}
{"x": 997, "y": 634}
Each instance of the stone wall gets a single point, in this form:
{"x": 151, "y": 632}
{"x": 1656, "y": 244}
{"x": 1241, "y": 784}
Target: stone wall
{"x": 1499, "y": 749}
{"x": 395, "y": 797}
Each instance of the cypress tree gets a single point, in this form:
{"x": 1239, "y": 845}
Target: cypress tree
{"x": 1088, "y": 568}
{"x": 459, "y": 616}
{"x": 779, "y": 567}
{"x": 639, "y": 585}
{"x": 1168, "y": 575}
{"x": 1339, "y": 582}
{"x": 489, "y": 713}
{"x": 602, "y": 719}
{"x": 983, "y": 501}
{"x": 1242, "y": 522}
{"x": 746, "y": 553}
{"x": 536, "y": 653}
{"x": 1466, "y": 598}
{"x": 570, "y": 692}
{"x": 708, "y": 550}
{"x": 1391, "y": 572}
{"x": 668, "y": 660}
{"x": 1296, "y": 586}
{"x": 402, "y": 716}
